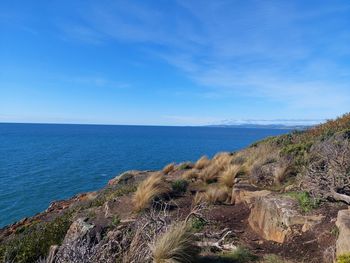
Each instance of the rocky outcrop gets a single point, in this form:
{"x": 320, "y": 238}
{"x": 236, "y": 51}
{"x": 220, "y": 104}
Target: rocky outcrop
{"x": 274, "y": 218}
{"x": 343, "y": 224}
{"x": 86, "y": 242}
{"x": 243, "y": 196}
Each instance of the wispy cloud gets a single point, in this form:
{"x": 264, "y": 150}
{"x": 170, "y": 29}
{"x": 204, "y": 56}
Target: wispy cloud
{"x": 288, "y": 52}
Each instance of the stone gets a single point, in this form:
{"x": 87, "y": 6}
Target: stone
{"x": 240, "y": 195}
{"x": 77, "y": 229}
{"x": 272, "y": 218}
{"x": 343, "y": 224}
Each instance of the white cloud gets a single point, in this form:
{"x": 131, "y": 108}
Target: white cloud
{"x": 277, "y": 50}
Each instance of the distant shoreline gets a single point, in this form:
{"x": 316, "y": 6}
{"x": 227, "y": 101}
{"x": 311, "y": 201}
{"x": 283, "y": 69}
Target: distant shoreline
{"x": 244, "y": 126}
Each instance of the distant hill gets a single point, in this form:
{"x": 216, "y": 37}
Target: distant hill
{"x": 263, "y": 126}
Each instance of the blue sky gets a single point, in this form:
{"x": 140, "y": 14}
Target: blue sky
{"x": 173, "y": 62}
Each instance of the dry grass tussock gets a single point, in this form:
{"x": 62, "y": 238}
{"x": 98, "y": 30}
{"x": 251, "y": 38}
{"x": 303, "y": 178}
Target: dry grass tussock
{"x": 228, "y": 176}
{"x": 210, "y": 174}
{"x": 190, "y": 174}
{"x": 202, "y": 162}
{"x": 215, "y": 194}
{"x": 176, "y": 245}
{"x": 151, "y": 188}
{"x": 169, "y": 168}
{"x": 222, "y": 159}
{"x": 259, "y": 155}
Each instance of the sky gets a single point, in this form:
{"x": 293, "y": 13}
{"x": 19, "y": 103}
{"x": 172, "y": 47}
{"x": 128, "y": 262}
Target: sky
{"x": 174, "y": 62}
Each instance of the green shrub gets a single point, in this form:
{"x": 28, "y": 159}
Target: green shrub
{"x": 335, "y": 231}
{"x": 240, "y": 255}
{"x": 179, "y": 186}
{"x": 185, "y": 166}
{"x": 35, "y": 242}
{"x": 306, "y": 202}
{"x": 272, "y": 259}
{"x": 198, "y": 224}
{"x": 111, "y": 193}
{"x": 115, "y": 221}
{"x": 345, "y": 258}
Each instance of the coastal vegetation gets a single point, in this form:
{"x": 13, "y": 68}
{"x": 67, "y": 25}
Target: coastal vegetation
{"x": 151, "y": 188}
{"x": 224, "y": 209}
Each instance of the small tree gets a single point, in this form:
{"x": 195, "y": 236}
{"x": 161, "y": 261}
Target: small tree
{"x": 328, "y": 173}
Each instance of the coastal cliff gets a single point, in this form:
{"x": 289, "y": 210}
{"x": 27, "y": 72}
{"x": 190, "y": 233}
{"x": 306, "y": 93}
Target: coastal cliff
{"x": 283, "y": 199}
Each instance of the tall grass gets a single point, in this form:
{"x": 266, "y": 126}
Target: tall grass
{"x": 202, "y": 162}
{"x": 190, "y": 174}
{"x": 215, "y": 194}
{"x": 228, "y": 176}
{"x": 222, "y": 159}
{"x": 210, "y": 174}
{"x": 169, "y": 168}
{"x": 175, "y": 245}
{"x": 151, "y": 188}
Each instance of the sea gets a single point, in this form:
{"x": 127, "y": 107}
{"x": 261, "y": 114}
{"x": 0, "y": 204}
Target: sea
{"x": 40, "y": 163}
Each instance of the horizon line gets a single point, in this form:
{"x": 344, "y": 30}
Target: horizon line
{"x": 241, "y": 125}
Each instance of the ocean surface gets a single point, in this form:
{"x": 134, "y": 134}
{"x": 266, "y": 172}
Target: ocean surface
{"x": 40, "y": 163}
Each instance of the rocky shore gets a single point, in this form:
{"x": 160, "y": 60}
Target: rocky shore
{"x": 283, "y": 199}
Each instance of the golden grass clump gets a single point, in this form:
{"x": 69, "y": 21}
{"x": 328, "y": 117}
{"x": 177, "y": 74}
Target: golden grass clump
{"x": 217, "y": 194}
{"x": 190, "y": 174}
{"x": 228, "y": 176}
{"x": 169, "y": 168}
{"x": 202, "y": 162}
{"x": 199, "y": 198}
{"x": 176, "y": 245}
{"x": 151, "y": 188}
{"x": 210, "y": 174}
{"x": 222, "y": 159}
{"x": 257, "y": 156}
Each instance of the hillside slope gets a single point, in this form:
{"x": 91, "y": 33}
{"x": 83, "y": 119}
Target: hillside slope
{"x": 283, "y": 199}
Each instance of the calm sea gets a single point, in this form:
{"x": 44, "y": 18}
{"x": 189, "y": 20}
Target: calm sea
{"x": 40, "y": 163}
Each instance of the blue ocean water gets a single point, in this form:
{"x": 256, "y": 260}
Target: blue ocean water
{"x": 40, "y": 163}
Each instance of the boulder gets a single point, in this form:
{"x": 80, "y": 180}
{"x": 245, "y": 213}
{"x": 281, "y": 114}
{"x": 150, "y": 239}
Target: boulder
{"x": 343, "y": 224}
{"x": 78, "y": 229}
{"x": 241, "y": 195}
{"x": 273, "y": 217}
{"x": 87, "y": 243}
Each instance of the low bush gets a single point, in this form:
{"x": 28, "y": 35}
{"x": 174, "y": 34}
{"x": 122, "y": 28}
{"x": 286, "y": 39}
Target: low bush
{"x": 272, "y": 259}
{"x": 115, "y": 221}
{"x": 335, "y": 231}
{"x": 185, "y": 166}
{"x": 306, "y": 202}
{"x": 179, "y": 186}
{"x": 34, "y": 243}
{"x": 198, "y": 224}
{"x": 345, "y": 258}
{"x": 240, "y": 255}
{"x": 111, "y": 193}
